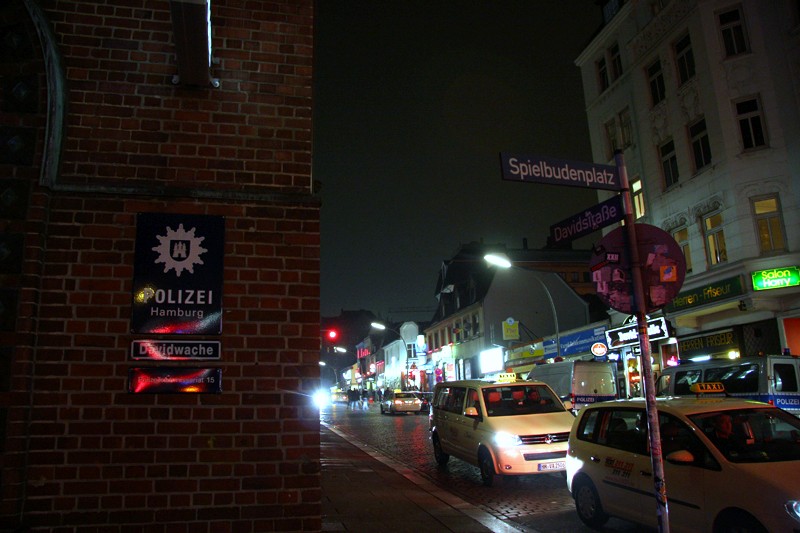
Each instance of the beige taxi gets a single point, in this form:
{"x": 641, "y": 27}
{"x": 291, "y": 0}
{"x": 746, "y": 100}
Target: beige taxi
{"x": 506, "y": 427}
{"x": 729, "y": 465}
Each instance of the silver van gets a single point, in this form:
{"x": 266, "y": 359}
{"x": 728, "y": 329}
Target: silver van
{"x": 505, "y": 427}
{"x": 773, "y": 379}
{"x": 580, "y": 382}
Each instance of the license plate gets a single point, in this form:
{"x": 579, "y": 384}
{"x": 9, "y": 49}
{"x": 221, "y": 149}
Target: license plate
{"x": 558, "y": 465}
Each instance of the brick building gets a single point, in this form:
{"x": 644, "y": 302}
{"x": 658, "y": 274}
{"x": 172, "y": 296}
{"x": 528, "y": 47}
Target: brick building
{"x": 112, "y": 114}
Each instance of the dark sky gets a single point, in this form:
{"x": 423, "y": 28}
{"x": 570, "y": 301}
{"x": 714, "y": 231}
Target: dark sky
{"x": 414, "y": 101}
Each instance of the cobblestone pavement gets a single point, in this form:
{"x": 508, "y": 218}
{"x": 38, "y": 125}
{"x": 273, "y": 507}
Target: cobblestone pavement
{"x": 536, "y": 503}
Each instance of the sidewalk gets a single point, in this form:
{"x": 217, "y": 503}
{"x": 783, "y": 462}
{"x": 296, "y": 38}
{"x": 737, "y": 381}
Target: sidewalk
{"x": 363, "y": 490}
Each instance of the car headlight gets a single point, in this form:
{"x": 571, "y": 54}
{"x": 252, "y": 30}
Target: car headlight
{"x": 321, "y": 399}
{"x": 507, "y": 439}
{"x": 793, "y": 508}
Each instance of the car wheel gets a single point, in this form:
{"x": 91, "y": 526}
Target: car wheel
{"x": 486, "y": 465}
{"x": 738, "y": 522}
{"x": 587, "y": 503}
{"x": 438, "y": 453}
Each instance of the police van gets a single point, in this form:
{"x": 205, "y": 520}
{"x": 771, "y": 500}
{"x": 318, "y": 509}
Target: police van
{"x": 580, "y": 382}
{"x": 504, "y": 427}
{"x": 773, "y": 379}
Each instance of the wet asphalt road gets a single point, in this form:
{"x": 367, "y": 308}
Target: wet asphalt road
{"x": 535, "y": 503}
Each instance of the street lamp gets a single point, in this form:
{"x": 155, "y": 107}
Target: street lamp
{"x": 502, "y": 261}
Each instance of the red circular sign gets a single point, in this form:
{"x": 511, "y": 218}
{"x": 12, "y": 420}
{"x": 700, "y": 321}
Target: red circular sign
{"x": 663, "y": 268}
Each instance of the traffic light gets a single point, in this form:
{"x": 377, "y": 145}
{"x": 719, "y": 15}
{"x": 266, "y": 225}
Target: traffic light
{"x": 331, "y": 334}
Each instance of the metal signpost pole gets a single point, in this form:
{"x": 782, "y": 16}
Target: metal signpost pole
{"x": 644, "y": 343}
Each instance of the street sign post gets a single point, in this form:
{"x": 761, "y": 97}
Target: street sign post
{"x": 552, "y": 171}
{"x": 590, "y": 220}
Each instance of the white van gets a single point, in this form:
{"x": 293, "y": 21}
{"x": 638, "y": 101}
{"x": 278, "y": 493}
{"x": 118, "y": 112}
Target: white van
{"x": 580, "y": 382}
{"x": 508, "y": 427}
{"x": 773, "y": 379}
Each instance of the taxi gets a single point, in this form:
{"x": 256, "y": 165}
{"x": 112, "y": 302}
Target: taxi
{"x": 401, "y": 402}
{"x": 729, "y": 464}
{"x": 506, "y": 427}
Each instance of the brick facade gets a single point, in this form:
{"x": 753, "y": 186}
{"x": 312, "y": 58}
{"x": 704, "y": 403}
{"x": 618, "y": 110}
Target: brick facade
{"x": 79, "y": 452}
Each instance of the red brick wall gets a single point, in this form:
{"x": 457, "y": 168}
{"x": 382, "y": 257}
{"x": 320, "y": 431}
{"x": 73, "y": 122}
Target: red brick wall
{"x": 79, "y": 451}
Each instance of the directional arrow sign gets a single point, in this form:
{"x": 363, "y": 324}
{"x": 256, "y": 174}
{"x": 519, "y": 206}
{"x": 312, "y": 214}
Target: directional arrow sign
{"x": 540, "y": 169}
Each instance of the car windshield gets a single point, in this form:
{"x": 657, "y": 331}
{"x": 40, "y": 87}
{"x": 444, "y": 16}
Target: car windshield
{"x": 522, "y": 399}
{"x": 405, "y": 396}
{"x": 752, "y": 435}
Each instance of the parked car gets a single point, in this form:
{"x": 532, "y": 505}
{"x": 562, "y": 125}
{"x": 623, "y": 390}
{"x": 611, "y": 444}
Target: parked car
{"x": 507, "y": 427}
{"x": 747, "y": 482}
{"x": 401, "y": 402}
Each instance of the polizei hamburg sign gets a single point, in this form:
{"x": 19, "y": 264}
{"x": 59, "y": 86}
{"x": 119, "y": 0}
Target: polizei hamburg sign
{"x": 177, "y": 277}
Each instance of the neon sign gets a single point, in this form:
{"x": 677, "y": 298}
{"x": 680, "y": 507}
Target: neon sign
{"x": 776, "y": 278}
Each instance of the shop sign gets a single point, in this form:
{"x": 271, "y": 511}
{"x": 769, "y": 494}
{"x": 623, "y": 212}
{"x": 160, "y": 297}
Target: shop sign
{"x": 719, "y": 342}
{"x": 177, "y": 274}
{"x": 159, "y": 350}
{"x": 715, "y": 292}
{"x": 510, "y": 329}
{"x": 182, "y": 380}
{"x": 776, "y": 278}
{"x": 577, "y": 342}
{"x": 629, "y": 335}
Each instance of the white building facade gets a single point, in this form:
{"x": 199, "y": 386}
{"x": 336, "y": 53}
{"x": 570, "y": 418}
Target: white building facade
{"x": 701, "y": 97}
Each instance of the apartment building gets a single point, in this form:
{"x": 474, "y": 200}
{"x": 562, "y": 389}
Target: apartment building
{"x": 701, "y": 97}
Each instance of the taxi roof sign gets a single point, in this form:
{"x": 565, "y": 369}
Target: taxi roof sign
{"x": 705, "y": 388}
{"x": 508, "y": 377}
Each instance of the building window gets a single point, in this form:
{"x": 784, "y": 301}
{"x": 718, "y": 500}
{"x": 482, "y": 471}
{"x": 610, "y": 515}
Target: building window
{"x": 655, "y": 78}
{"x": 618, "y": 132}
{"x": 625, "y": 129}
{"x": 684, "y": 58}
{"x": 701, "y": 149}
{"x": 715, "y": 239}
{"x": 616, "y": 61}
{"x": 681, "y": 236}
{"x": 612, "y": 140}
{"x": 769, "y": 224}
{"x": 602, "y": 74}
{"x": 637, "y": 197}
{"x": 751, "y": 124}
{"x": 734, "y": 37}
{"x": 669, "y": 163}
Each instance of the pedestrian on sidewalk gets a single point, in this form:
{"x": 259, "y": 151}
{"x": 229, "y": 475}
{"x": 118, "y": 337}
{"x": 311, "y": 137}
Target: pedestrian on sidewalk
{"x": 364, "y": 399}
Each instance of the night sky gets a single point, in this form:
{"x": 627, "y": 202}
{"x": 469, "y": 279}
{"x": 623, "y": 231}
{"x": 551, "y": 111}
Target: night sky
{"x": 413, "y": 102}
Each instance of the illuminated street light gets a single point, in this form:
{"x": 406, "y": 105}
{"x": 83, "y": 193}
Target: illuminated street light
{"x": 502, "y": 261}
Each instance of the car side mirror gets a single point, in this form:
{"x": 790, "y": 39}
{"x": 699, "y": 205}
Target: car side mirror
{"x": 471, "y": 412}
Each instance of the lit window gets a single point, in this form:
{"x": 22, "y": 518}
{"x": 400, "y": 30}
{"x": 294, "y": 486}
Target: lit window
{"x": 684, "y": 59}
{"x": 734, "y": 37}
{"x": 637, "y": 197}
{"x": 681, "y": 236}
{"x": 655, "y": 78}
{"x": 701, "y": 149}
{"x": 715, "y": 239}
{"x": 751, "y": 124}
{"x": 669, "y": 163}
{"x": 769, "y": 224}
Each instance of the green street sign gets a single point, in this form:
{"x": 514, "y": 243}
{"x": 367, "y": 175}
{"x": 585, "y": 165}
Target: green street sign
{"x": 776, "y": 278}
